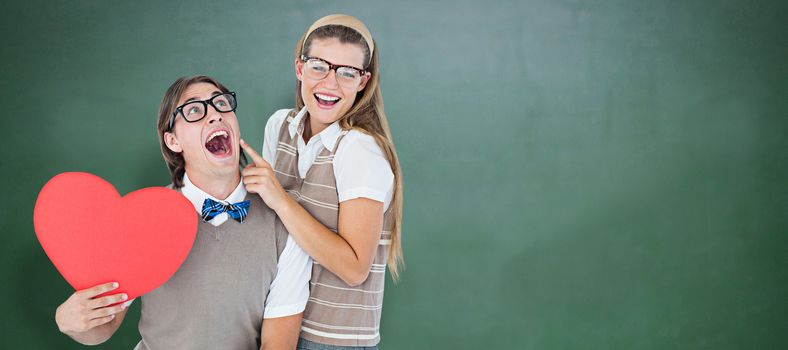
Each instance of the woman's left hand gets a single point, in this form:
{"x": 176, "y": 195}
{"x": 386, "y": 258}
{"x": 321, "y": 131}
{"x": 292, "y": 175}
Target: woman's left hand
{"x": 259, "y": 178}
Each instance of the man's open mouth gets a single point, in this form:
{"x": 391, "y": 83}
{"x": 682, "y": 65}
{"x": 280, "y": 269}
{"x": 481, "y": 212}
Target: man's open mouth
{"x": 326, "y": 100}
{"x": 219, "y": 143}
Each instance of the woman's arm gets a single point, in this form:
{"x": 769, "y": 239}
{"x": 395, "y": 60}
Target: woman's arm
{"x": 347, "y": 254}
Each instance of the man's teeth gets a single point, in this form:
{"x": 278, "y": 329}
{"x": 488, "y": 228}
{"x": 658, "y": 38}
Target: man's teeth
{"x": 327, "y": 98}
{"x": 218, "y": 133}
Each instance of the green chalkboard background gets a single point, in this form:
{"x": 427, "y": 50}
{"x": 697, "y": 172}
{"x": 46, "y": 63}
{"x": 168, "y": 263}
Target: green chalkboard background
{"x": 606, "y": 174}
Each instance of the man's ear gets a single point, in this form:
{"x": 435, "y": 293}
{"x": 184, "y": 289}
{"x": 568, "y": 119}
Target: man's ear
{"x": 364, "y": 81}
{"x": 172, "y": 142}
{"x": 299, "y": 69}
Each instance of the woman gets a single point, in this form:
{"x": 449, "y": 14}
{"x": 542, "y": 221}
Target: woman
{"x": 333, "y": 154}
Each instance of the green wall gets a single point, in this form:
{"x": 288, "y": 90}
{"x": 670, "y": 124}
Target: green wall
{"x": 604, "y": 174}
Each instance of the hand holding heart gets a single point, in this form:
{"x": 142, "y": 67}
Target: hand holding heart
{"x": 93, "y": 235}
{"x": 85, "y": 309}
{"x": 259, "y": 178}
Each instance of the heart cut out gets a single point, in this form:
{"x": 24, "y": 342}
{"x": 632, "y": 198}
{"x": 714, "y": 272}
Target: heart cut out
{"x": 94, "y": 236}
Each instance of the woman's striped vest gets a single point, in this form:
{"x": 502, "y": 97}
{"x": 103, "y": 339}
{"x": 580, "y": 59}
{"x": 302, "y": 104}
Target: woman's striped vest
{"x": 336, "y": 313}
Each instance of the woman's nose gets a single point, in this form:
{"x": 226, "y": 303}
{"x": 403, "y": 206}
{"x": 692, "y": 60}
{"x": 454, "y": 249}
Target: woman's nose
{"x": 331, "y": 78}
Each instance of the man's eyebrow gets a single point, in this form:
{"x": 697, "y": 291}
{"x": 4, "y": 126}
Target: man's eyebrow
{"x": 213, "y": 94}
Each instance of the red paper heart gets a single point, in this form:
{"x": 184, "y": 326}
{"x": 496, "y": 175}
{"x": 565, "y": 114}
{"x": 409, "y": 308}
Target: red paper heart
{"x": 95, "y": 236}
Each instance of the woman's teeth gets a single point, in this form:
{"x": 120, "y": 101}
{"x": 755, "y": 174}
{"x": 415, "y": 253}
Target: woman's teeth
{"x": 326, "y": 99}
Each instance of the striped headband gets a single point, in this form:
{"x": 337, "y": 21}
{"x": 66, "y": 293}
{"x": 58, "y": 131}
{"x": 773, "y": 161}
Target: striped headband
{"x": 346, "y": 21}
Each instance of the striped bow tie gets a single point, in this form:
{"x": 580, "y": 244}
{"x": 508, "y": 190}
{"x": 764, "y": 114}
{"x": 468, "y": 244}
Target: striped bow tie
{"x": 211, "y": 208}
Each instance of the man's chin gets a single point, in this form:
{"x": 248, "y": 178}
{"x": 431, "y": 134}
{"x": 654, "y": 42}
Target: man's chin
{"x": 222, "y": 163}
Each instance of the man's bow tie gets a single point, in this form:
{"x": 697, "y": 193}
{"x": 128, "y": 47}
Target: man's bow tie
{"x": 211, "y": 208}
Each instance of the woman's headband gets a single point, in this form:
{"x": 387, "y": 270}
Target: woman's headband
{"x": 346, "y": 21}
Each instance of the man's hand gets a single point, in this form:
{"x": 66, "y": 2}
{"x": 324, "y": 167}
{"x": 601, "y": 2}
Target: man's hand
{"x": 83, "y": 311}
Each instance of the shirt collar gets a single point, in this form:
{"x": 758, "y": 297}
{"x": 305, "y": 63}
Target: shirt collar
{"x": 197, "y": 196}
{"x": 328, "y": 137}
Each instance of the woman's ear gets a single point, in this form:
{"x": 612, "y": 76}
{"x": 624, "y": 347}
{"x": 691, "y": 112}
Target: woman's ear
{"x": 172, "y": 142}
{"x": 364, "y": 81}
{"x": 299, "y": 69}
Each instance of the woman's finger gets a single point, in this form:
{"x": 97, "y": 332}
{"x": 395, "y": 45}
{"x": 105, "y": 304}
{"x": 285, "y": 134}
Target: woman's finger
{"x": 256, "y": 158}
{"x": 251, "y": 179}
{"x": 249, "y": 171}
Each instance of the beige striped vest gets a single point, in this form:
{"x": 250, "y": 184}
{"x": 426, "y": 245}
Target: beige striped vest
{"x": 336, "y": 313}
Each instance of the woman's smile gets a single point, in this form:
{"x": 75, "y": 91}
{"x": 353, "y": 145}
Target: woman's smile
{"x": 326, "y": 100}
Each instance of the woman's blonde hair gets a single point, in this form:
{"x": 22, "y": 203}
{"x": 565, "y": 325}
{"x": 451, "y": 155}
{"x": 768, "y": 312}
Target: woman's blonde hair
{"x": 366, "y": 115}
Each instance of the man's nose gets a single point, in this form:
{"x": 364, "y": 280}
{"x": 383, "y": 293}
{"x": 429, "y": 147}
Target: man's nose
{"x": 213, "y": 115}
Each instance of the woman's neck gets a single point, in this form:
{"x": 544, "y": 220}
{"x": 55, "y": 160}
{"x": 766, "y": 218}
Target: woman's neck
{"x": 310, "y": 129}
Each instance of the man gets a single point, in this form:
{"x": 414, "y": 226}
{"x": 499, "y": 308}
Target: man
{"x": 245, "y": 282}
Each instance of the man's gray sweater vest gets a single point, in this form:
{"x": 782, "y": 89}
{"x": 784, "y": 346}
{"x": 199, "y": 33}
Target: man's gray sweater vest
{"x": 216, "y": 299}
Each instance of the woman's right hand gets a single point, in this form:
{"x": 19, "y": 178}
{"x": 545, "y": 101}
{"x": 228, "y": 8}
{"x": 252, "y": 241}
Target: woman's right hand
{"x": 259, "y": 178}
{"x": 83, "y": 311}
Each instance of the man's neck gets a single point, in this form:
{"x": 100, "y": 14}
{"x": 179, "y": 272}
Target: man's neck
{"x": 219, "y": 187}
